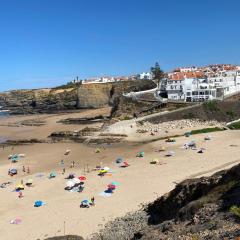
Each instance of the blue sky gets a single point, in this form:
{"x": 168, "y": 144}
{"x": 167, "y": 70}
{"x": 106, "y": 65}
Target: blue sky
{"x": 49, "y": 42}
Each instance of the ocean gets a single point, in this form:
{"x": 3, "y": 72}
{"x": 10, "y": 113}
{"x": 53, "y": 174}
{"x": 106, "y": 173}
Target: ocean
{"x": 3, "y": 115}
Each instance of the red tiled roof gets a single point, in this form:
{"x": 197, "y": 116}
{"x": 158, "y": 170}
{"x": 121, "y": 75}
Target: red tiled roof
{"x": 180, "y": 75}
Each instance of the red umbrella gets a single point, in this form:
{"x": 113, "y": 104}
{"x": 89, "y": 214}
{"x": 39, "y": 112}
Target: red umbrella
{"x": 126, "y": 164}
{"x": 111, "y": 186}
{"x": 82, "y": 178}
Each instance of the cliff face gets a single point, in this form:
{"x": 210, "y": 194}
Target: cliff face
{"x": 94, "y": 95}
{"x": 61, "y": 99}
{"x": 41, "y": 101}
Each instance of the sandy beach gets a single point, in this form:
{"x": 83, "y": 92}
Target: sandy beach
{"x": 139, "y": 183}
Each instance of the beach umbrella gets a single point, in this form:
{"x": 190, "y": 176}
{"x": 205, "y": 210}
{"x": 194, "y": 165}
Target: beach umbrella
{"x": 106, "y": 168}
{"x": 111, "y": 186}
{"x": 67, "y": 152}
{"x": 16, "y": 221}
{"x": 76, "y": 180}
{"x": 29, "y": 181}
{"x": 154, "y": 161}
{"x": 53, "y": 175}
{"x": 97, "y": 150}
{"x": 102, "y": 171}
{"x": 20, "y": 186}
{"x": 126, "y": 164}
{"x": 82, "y": 178}
{"x": 170, "y": 153}
{"x": 38, "y": 203}
{"x": 140, "y": 154}
{"x": 161, "y": 149}
{"x": 85, "y": 203}
{"x": 70, "y": 184}
{"x": 119, "y": 160}
{"x": 115, "y": 183}
{"x": 13, "y": 170}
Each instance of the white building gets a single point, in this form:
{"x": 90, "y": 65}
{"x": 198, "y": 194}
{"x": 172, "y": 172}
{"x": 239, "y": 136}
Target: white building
{"x": 186, "y": 69}
{"x": 190, "y": 89}
{"x": 198, "y": 90}
{"x": 175, "y": 89}
{"x": 146, "y": 75}
{"x": 226, "y": 82}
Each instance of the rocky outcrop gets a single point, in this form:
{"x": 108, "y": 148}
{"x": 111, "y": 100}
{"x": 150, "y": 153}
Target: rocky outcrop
{"x": 86, "y": 120}
{"x": 67, "y": 237}
{"x": 69, "y": 98}
{"x": 39, "y": 101}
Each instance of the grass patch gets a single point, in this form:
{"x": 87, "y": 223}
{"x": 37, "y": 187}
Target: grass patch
{"x": 211, "y": 106}
{"x": 231, "y": 114}
{"x": 235, "y": 210}
{"x": 234, "y": 126}
{"x": 207, "y": 130}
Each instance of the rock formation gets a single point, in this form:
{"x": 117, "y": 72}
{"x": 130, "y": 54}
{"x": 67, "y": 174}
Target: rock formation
{"x": 69, "y": 98}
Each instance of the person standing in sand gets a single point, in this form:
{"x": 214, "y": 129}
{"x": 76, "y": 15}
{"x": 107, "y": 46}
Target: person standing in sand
{"x": 28, "y": 170}
{"x": 23, "y": 169}
{"x": 93, "y": 201}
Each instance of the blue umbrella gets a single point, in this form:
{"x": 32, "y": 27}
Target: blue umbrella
{"x": 38, "y": 203}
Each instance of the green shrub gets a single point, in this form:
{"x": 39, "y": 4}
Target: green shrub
{"x": 195, "y": 237}
{"x": 235, "y": 125}
{"x": 207, "y": 130}
{"x": 231, "y": 114}
{"x": 235, "y": 210}
{"x": 211, "y": 106}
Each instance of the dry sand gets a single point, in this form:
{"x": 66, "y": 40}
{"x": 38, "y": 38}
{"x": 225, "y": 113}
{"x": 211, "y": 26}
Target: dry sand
{"x": 139, "y": 183}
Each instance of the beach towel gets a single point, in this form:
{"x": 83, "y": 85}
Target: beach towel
{"x": 104, "y": 194}
{"x": 16, "y": 221}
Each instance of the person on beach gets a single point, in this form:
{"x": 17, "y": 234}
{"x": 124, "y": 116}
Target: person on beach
{"x": 28, "y": 170}
{"x": 20, "y": 194}
{"x": 93, "y": 201}
{"x": 72, "y": 164}
{"x": 63, "y": 171}
{"x": 23, "y": 169}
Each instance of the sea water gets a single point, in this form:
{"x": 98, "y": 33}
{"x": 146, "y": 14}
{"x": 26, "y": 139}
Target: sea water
{"x": 3, "y": 115}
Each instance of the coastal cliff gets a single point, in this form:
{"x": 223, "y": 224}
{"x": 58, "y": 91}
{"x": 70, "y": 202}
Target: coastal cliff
{"x": 69, "y": 98}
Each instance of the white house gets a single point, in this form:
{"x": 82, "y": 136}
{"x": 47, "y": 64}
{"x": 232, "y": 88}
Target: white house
{"x": 146, "y": 75}
{"x": 190, "y": 89}
{"x": 198, "y": 90}
{"x": 226, "y": 82}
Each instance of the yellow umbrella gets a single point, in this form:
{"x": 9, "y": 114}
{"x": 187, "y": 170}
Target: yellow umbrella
{"x": 19, "y": 186}
{"x": 103, "y": 171}
{"x": 30, "y": 181}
